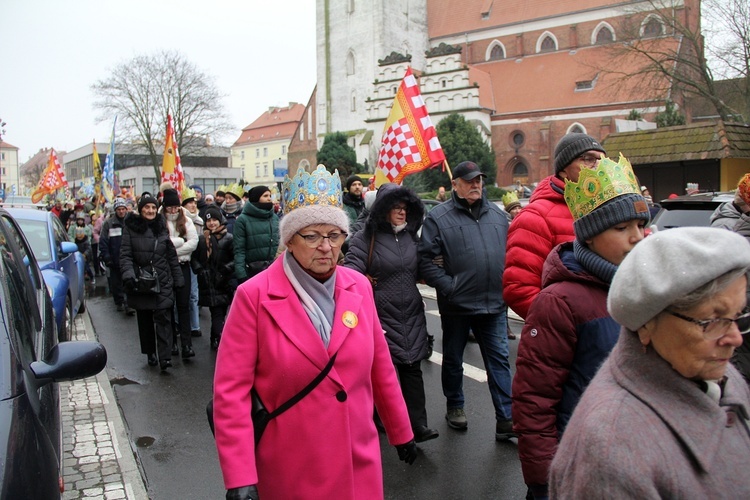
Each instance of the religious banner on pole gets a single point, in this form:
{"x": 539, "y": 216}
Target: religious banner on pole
{"x": 171, "y": 167}
{"x": 410, "y": 143}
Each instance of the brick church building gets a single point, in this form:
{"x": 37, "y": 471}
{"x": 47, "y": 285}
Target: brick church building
{"x": 524, "y": 72}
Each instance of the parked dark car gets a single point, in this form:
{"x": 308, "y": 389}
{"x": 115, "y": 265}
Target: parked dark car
{"x": 31, "y": 363}
{"x": 689, "y": 210}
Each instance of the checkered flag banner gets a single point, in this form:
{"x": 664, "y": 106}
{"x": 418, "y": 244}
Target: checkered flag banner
{"x": 409, "y": 143}
{"x": 53, "y": 178}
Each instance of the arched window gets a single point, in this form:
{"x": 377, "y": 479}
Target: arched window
{"x": 576, "y": 128}
{"x": 520, "y": 173}
{"x": 603, "y": 34}
{"x": 350, "y": 63}
{"x": 651, "y": 27}
{"x": 495, "y": 51}
{"x": 546, "y": 43}
{"x": 354, "y": 102}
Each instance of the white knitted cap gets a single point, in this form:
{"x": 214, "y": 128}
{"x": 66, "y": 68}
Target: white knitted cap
{"x": 302, "y": 217}
{"x": 668, "y": 265}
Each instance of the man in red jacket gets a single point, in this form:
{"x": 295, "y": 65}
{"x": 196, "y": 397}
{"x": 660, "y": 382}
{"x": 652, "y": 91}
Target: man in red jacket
{"x": 545, "y": 222}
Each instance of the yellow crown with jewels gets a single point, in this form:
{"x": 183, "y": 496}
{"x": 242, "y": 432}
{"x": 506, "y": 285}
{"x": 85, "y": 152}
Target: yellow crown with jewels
{"x": 509, "y": 198}
{"x": 599, "y": 185}
{"x": 186, "y": 194}
{"x": 317, "y": 188}
{"x": 236, "y": 189}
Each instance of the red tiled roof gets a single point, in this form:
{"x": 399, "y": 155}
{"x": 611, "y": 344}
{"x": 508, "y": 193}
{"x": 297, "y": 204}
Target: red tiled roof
{"x": 6, "y": 145}
{"x": 276, "y": 123}
{"x": 445, "y": 18}
{"x": 547, "y": 82}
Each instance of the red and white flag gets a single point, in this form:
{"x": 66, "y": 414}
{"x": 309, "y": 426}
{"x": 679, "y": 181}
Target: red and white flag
{"x": 410, "y": 143}
{"x": 53, "y": 178}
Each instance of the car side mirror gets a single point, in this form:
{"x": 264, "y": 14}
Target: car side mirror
{"x": 70, "y": 361}
{"x": 68, "y": 247}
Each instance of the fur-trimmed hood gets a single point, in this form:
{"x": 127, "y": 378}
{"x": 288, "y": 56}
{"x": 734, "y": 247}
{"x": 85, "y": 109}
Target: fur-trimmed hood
{"x": 134, "y": 222}
{"x": 388, "y": 195}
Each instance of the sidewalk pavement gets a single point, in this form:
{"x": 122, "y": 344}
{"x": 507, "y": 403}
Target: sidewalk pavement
{"x": 98, "y": 460}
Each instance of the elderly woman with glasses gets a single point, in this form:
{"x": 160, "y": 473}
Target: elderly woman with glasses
{"x": 284, "y": 328}
{"x": 667, "y": 414}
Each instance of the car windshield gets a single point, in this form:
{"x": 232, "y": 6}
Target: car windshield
{"x": 38, "y": 236}
{"x": 668, "y": 219}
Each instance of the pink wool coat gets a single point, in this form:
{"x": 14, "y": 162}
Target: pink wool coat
{"x": 325, "y": 446}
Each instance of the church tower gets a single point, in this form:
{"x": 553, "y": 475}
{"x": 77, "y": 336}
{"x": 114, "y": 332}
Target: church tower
{"x": 352, "y": 35}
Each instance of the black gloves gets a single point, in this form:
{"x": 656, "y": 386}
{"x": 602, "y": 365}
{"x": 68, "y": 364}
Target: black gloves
{"x": 407, "y": 452}
{"x": 243, "y": 493}
{"x": 129, "y": 284}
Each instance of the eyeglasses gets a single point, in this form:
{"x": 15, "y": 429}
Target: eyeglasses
{"x": 399, "y": 208}
{"x": 315, "y": 240}
{"x": 589, "y": 160}
{"x": 172, "y": 210}
{"x": 714, "y": 329}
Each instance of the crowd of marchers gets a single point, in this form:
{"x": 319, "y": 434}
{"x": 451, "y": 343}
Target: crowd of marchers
{"x": 632, "y": 345}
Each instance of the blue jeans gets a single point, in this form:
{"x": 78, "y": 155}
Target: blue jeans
{"x": 491, "y": 333}
{"x": 195, "y": 321}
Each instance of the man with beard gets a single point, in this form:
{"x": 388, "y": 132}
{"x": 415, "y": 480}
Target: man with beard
{"x": 354, "y": 201}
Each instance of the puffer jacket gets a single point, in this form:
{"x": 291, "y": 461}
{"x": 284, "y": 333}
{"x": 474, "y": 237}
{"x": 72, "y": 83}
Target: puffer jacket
{"x": 137, "y": 250}
{"x": 471, "y": 279}
{"x": 185, "y": 245}
{"x": 567, "y": 336}
{"x": 110, "y": 240}
{"x": 215, "y": 273}
{"x": 256, "y": 238}
{"x": 394, "y": 269}
{"x": 543, "y": 224}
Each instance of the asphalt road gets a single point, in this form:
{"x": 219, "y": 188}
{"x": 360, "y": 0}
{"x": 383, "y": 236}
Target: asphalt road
{"x": 166, "y": 421}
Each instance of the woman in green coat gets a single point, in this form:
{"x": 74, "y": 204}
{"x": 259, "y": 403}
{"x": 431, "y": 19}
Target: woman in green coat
{"x": 256, "y": 235}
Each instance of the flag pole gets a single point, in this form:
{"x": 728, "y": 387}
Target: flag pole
{"x": 448, "y": 168}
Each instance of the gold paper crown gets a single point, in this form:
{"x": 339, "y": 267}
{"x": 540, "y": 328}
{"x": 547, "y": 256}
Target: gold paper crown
{"x": 223, "y": 188}
{"x": 186, "y": 194}
{"x": 235, "y": 189}
{"x": 509, "y": 197}
{"x": 599, "y": 185}
{"x": 317, "y": 188}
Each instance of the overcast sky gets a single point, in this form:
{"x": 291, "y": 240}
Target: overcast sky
{"x": 261, "y": 53}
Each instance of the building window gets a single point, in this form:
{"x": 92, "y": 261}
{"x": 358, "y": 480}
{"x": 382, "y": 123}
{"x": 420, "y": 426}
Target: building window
{"x": 353, "y": 106}
{"x": 242, "y": 154}
{"x": 604, "y": 34}
{"x": 350, "y": 63}
{"x": 265, "y": 152}
{"x": 257, "y": 170}
{"x": 349, "y": 6}
{"x": 443, "y": 83}
{"x": 2, "y": 156}
{"x": 518, "y": 139}
{"x": 497, "y": 51}
{"x": 283, "y": 149}
{"x": 651, "y": 27}
{"x": 265, "y": 170}
{"x": 257, "y": 152}
{"x": 395, "y": 90}
{"x": 576, "y": 128}
{"x": 547, "y": 44}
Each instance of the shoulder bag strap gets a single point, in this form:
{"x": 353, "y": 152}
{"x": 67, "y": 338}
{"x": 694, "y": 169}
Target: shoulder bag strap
{"x": 369, "y": 254}
{"x": 304, "y": 392}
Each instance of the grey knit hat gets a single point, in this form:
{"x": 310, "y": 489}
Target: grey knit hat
{"x": 668, "y": 265}
{"x": 573, "y": 145}
{"x": 302, "y": 217}
{"x": 621, "y": 209}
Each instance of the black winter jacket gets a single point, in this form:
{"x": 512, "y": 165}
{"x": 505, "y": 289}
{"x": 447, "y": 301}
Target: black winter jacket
{"x": 216, "y": 279}
{"x": 137, "y": 251}
{"x": 394, "y": 269}
{"x": 471, "y": 279}
{"x": 110, "y": 239}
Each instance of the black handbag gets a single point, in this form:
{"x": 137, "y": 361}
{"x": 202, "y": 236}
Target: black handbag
{"x": 257, "y": 266}
{"x": 147, "y": 279}
{"x": 258, "y": 412}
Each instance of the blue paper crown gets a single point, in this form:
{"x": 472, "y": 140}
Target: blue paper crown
{"x": 317, "y": 188}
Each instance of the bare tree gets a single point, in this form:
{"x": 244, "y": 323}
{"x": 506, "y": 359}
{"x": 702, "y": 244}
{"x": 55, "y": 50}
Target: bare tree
{"x": 661, "y": 47}
{"x": 143, "y": 90}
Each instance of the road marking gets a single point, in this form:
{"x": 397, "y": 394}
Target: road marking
{"x": 470, "y": 371}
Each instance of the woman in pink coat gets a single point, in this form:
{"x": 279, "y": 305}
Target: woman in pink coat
{"x": 283, "y": 328}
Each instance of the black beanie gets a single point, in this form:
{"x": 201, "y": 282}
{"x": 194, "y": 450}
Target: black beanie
{"x": 573, "y": 145}
{"x": 621, "y": 209}
{"x": 145, "y": 200}
{"x": 351, "y": 180}
{"x": 213, "y": 213}
{"x": 255, "y": 193}
{"x": 170, "y": 198}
